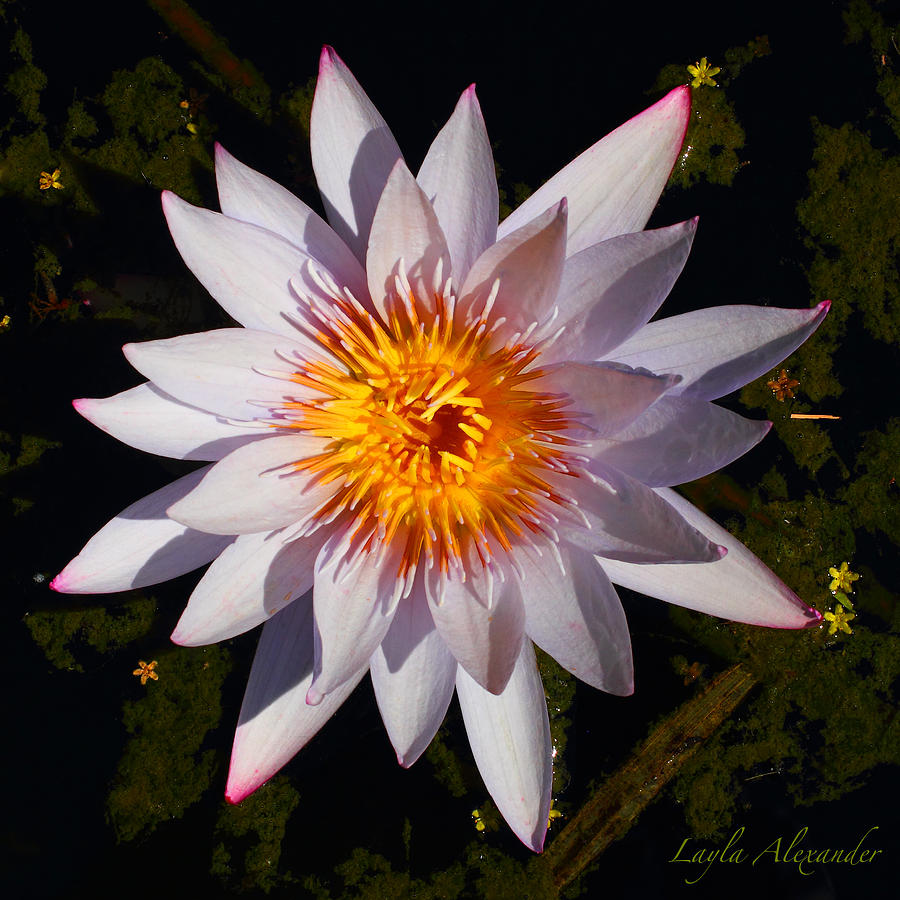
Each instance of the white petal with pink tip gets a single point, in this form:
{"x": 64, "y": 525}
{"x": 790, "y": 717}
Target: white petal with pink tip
{"x": 510, "y": 739}
{"x": 148, "y": 419}
{"x": 141, "y": 546}
{"x": 253, "y": 578}
{"x": 413, "y": 674}
{"x": 256, "y": 488}
{"x": 613, "y": 186}
{"x": 458, "y": 178}
{"x": 738, "y": 587}
{"x": 275, "y": 720}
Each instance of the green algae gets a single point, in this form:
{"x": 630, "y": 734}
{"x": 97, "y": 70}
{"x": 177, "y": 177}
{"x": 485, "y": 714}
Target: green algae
{"x": 63, "y": 634}
{"x": 18, "y": 453}
{"x": 715, "y": 137}
{"x": 164, "y": 768}
{"x": 26, "y": 81}
{"x": 250, "y": 834}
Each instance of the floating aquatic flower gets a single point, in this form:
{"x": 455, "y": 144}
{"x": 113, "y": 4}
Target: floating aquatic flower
{"x": 839, "y": 619}
{"x": 783, "y": 386}
{"x": 50, "y": 180}
{"x": 703, "y": 73}
{"x": 842, "y": 578}
{"x": 434, "y": 440}
{"x": 145, "y": 670}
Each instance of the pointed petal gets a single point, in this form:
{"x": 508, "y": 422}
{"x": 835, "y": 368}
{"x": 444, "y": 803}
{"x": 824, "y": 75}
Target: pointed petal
{"x": 481, "y": 620}
{"x": 354, "y": 602}
{"x": 275, "y": 720}
{"x": 252, "y": 579}
{"x": 247, "y": 269}
{"x": 353, "y": 152}
{"x": 510, "y": 739}
{"x": 620, "y": 518}
{"x": 249, "y": 196}
{"x": 216, "y": 370}
{"x": 576, "y": 617}
{"x": 405, "y": 227}
{"x": 141, "y": 546}
{"x": 679, "y": 439}
{"x": 459, "y": 179}
{"x": 149, "y": 419}
{"x": 718, "y": 350}
{"x": 738, "y": 587}
{"x": 253, "y": 489}
{"x": 413, "y": 674}
{"x": 613, "y": 288}
{"x": 613, "y": 186}
{"x": 529, "y": 265}
{"x": 604, "y": 397}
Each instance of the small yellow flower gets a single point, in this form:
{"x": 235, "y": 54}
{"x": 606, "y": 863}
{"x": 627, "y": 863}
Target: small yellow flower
{"x": 145, "y": 671}
{"x": 553, "y": 814}
{"x": 783, "y": 386}
{"x": 4, "y": 323}
{"x": 843, "y": 578}
{"x": 50, "y": 180}
{"x": 703, "y": 73}
{"x": 839, "y": 619}
{"x": 479, "y": 822}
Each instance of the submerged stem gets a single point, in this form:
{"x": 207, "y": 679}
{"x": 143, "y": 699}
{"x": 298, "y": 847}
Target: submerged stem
{"x": 611, "y": 811}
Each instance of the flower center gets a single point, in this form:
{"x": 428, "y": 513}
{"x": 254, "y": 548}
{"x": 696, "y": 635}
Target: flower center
{"x": 436, "y": 436}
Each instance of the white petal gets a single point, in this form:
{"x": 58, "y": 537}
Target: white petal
{"x": 413, "y": 674}
{"x": 510, "y": 739}
{"x": 215, "y": 370}
{"x": 149, "y": 419}
{"x": 248, "y": 195}
{"x": 604, "y": 397}
{"x": 275, "y": 720}
{"x": 405, "y": 227}
{"x": 613, "y": 288}
{"x": 679, "y": 439}
{"x": 247, "y": 269}
{"x": 613, "y": 186}
{"x": 459, "y": 179}
{"x": 354, "y": 602}
{"x": 626, "y": 520}
{"x": 738, "y": 587}
{"x": 141, "y": 546}
{"x": 718, "y": 350}
{"x": 529, "y": 265}
{"x": 481, "y": 620}
{"x": 353, "y": 152}
{"x": 577, "y": 618}
{"x": 253, "y": 489}
{"x": 253, "y": 578}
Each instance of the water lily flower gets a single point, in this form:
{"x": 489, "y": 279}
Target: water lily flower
{"x": 433, "y": 442}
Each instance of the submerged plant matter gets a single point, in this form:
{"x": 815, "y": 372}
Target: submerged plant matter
{"x": 435, "y": 441}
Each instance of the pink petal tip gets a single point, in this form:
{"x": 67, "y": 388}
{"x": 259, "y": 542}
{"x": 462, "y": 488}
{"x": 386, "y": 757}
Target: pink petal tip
{"x": 314, "y": 697}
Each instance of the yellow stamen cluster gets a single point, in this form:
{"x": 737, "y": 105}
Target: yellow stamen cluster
{"x": 435, "y": 435}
